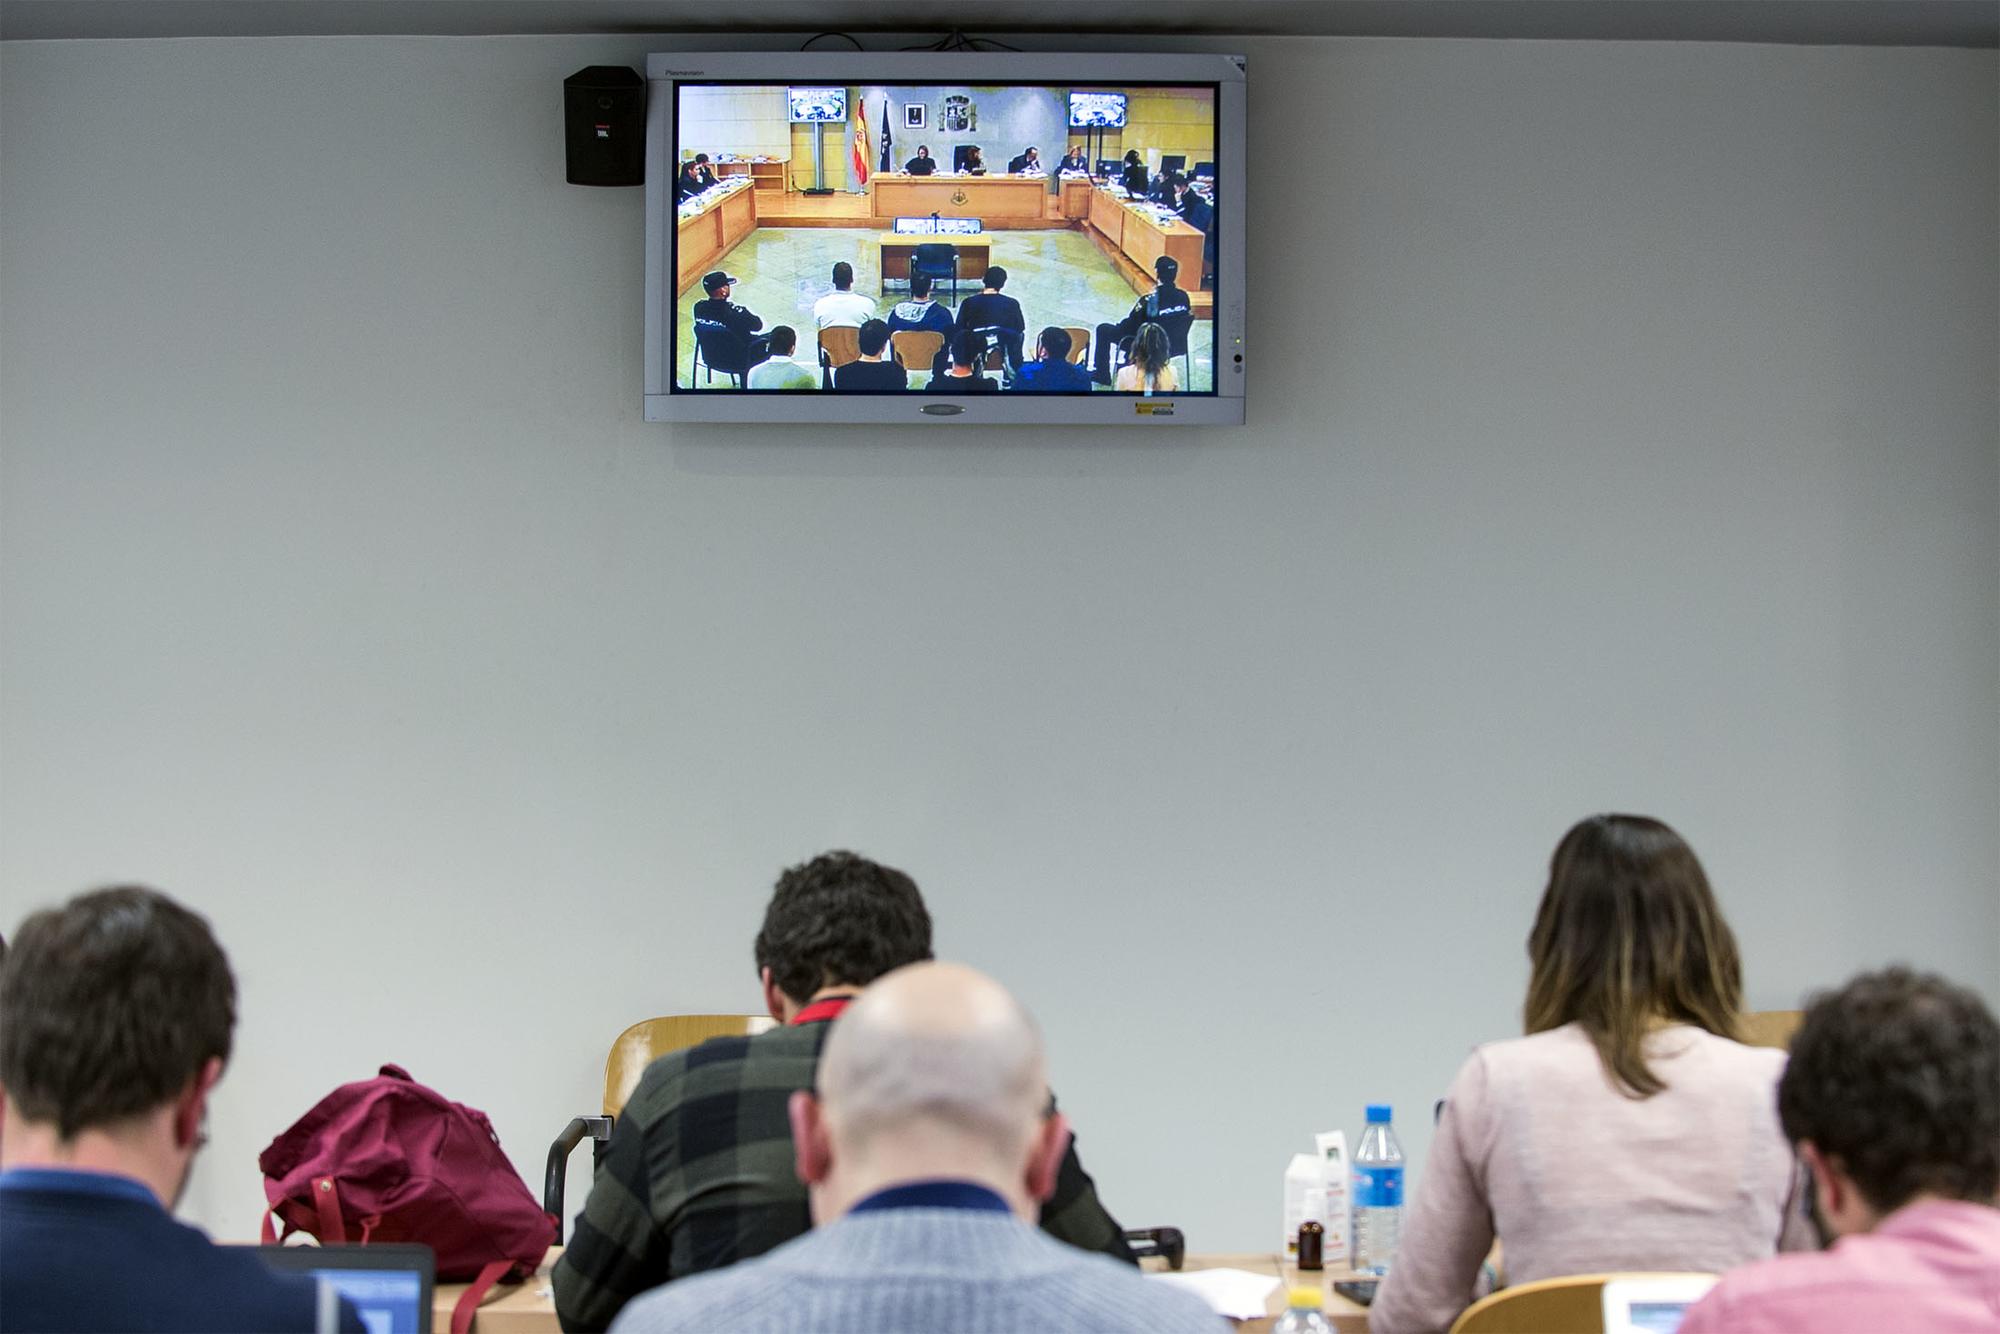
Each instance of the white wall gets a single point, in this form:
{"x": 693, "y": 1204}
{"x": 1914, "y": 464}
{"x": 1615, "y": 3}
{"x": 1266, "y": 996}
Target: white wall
{"x": 1623, "y": 436}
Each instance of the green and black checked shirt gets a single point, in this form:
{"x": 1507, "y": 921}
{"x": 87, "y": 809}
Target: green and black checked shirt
{"x": 699, "y": 1174}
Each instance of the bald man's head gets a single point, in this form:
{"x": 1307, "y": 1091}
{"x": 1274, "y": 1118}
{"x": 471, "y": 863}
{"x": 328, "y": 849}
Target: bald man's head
{"x": 934, "y": 1043}
{"x": 936, "y": 1071}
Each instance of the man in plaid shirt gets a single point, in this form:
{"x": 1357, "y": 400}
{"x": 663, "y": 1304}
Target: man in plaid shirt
{"x": 699, "y": 1172}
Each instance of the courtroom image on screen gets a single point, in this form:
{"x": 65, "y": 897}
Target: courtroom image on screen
{"x": 811, "y": 104}
{"x": 944, "y": 239}
{"x": 1097, "y": 109}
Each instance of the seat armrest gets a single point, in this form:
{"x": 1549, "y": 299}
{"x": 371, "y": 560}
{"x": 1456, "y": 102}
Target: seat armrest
{"x": 595, "y": 1128}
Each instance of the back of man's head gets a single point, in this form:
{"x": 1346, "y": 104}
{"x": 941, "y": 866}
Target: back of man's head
{"x": 841, "y": 919}
{"x": 996, "y": 277}
{"x": 784, "y": 340}
{"x": 1166, "y": 268}
{"x": 873, "y": 337}
{"x": 110, "y": 1006}
{"x": 1055, "y": 343}
{"x": 920, "y": 286}
{"x": 932, "y": 1053}
{"x": 1895, "y": 1080}
{"x": 843, "y": 275}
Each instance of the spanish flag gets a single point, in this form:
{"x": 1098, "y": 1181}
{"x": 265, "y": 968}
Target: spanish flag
{"x": 858, "y": 156}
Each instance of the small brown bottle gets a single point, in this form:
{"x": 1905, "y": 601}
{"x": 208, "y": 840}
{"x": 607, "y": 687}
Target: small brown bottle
{"x": 1312, "y": 1245}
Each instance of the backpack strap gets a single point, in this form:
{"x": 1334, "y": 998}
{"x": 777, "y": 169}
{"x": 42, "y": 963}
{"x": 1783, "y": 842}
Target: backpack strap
{"x": 326, "y": 1201}
{"x": 468, "y": 1301}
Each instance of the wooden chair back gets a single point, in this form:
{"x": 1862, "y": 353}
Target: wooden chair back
{"x": 916, "y": 348}
{"x": 649, "y": 1039}
{"x": 1570, "y": 1305}
{"x": 1079, "y": 343}
{"x": 1771, "y": 1028}
{"x": 839, "y": 345}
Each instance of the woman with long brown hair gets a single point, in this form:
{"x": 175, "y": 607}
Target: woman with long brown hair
{"x": 1629, "y": 1130}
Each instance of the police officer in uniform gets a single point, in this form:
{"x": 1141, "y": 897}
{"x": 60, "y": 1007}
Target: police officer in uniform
{"x": 1166, "y": 305}
{"x": 729, "y": 324}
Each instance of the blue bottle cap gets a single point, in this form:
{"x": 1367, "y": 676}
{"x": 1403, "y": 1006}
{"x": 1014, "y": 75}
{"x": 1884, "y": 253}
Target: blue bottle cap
{"x": 1378, "y": 1113}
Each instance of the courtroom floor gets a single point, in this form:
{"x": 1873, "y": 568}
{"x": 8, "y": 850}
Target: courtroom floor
{"x": 1059, "y": 276}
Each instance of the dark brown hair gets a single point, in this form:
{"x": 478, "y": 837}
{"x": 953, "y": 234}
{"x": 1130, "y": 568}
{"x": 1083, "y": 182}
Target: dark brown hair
{"x": 1629, "y": 934}
{"x": 841, "y": 918}
{"x": 1897, "y": 1076}
{"x": 109, "y": 1006}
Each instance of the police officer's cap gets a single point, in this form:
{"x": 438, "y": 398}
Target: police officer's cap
{"x": 717, "y": 278}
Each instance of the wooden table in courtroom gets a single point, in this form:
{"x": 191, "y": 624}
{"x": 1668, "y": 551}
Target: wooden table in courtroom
{"x": 975, "y": 253}
{"x": 529, "y": 1308}
{"x": 994, "y": 198}
{"x": 1143, "y": 237}
{"x": 712, "y": 232}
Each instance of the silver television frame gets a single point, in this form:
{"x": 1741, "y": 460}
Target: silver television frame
{"x": 664, "y": 70}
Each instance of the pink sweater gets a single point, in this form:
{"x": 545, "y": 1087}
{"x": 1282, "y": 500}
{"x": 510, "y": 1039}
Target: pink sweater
{"x": 1932, "y": 1266}
{"x": 1537, "y": 1146}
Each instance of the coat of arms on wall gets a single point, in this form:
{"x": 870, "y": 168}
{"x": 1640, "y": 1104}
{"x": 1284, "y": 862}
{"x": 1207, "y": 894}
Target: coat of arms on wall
{"x": 959, "y": 116}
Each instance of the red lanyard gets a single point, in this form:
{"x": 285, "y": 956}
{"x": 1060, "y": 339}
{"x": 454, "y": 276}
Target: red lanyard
{"x": 820, "y": 1011}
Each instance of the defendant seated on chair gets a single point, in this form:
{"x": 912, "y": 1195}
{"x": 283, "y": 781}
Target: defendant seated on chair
{"x": 699, "y": 1171}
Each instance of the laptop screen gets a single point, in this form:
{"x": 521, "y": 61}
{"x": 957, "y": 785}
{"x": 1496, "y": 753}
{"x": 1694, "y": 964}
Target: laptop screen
{"x": 1651, "y": 1303}
{"x": 1656, "y": 1317}
{"x": 391, "y": 1301}
{"x": 390, "y": 1285}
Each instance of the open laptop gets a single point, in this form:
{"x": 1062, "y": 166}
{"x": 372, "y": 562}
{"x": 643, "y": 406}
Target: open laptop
{"x": 1652, "y": 1303}
{"x": 390, "y": 1284}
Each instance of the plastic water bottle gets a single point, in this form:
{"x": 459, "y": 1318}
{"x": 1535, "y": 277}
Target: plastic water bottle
{"x": 1302, "y": 1314}
{"x": 1378, "y": 1193}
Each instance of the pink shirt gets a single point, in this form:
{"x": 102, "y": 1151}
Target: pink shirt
{"x": 1932, "y": 1266}
{"x": 1537, "y": 1147}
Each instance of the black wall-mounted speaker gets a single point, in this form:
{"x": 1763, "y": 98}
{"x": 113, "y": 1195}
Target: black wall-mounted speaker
{"x": 604, "y": 126}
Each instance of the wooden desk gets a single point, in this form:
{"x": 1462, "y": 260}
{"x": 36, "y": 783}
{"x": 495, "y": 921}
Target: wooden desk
{"x": 975, "y": 254}
{"x": 530, "y": 1308}
{"x": 1076, "y": 194}
{"x": 1347, "y": 1317}
{"x": 1016, "y": 198}
{"x": 1143, "y": 239}
{"x": 711, "y": 233}
{"x": 520, "y": 1308}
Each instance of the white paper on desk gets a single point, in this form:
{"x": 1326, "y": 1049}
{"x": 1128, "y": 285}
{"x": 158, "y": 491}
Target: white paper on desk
{"x": 1235, "y": 1293}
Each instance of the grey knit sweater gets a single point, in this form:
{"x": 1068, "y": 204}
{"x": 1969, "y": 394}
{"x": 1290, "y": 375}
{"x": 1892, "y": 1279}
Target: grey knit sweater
{"x": 925, "y": 1271}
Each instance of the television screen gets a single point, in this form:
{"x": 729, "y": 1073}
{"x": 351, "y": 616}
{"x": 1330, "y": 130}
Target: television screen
{"x": 930, "y": 264}
{"x": 1097, "y": 111}
{"x": 818, "y": 103}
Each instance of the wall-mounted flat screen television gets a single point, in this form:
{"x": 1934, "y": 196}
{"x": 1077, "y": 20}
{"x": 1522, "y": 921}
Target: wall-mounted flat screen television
{"x": 1097, "y": 111}
{"x": 812, "y": 104}
{"x": 960, "y": 250}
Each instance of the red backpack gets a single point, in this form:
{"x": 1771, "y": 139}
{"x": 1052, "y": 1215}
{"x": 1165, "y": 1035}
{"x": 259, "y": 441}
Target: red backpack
{"x": 388, "y": 1159}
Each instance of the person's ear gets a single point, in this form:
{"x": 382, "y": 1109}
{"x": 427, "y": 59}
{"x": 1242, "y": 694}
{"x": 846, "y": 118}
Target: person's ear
{"x": 812, "y": 1148}
{"x": 774, "y": 999}
{"x": 192, "y": 1104}
{"x": 1045, "y": 1155}
{"x": 1830, "y": 1184}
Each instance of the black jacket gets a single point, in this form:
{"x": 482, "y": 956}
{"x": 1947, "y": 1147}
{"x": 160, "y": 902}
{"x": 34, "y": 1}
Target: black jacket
{"x": 1136, "y": 181}
{"x": 1165, "y": 306}
{"x": 920, "y": 166}
{"x": 991, "y": 310}
{"x": 739, "y": 322}
{"x": 871, "y": 375}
